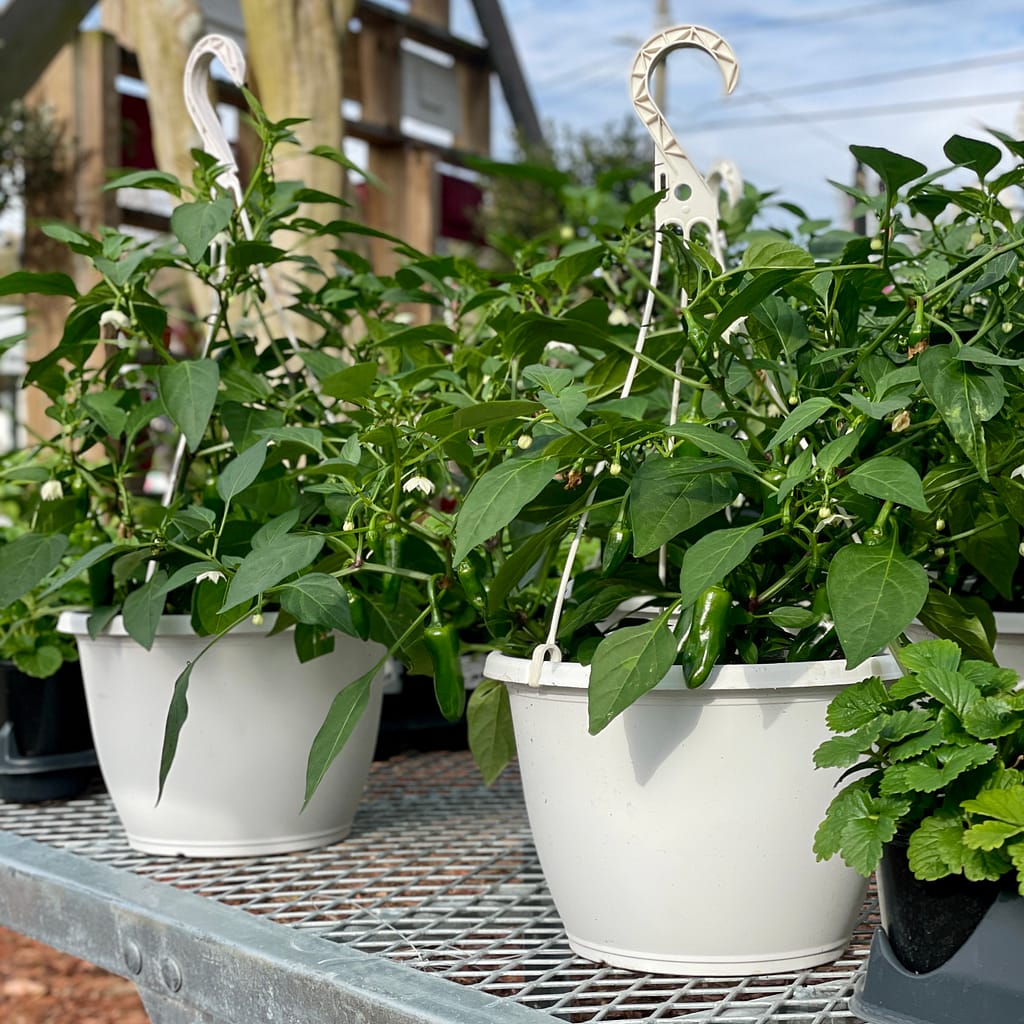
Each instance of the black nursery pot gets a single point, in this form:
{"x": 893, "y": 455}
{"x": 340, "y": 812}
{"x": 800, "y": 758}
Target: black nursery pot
{"x": 927, "y": 922}
{"x": 48, "y": 716}
{"x": 46, "y": 747}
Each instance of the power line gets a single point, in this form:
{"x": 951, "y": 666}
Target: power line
{"x": 880, "y": 77}
{"x": 842, "y": 114}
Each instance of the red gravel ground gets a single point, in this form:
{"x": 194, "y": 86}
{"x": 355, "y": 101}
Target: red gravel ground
{"x": 38, "y": 985}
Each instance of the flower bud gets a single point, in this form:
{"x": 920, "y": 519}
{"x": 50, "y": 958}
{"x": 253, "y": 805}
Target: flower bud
{"x": 940, "y": 525}
{"x": 615, "y": 468}
{"x": 52, "y": 490}
{"x": 900, "y": 421}
{"x": 525, "y": 441}
{"x": 257, "y": 618}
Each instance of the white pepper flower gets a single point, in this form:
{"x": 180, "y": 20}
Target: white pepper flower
{"x": 116, "y": 319}
{"x": 618, "y": 317}
{"x": 833, "y": 519}
{"x": 212, "y": 576}
{"x": 52, "y": 490}
{"x": 1019, "y": 471}
{"x": 418, "y": 483}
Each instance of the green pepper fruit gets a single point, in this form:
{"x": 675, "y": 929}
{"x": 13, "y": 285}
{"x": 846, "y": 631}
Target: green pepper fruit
{"x": 358, "y": 612}
{"x": 392, "y": 585}
{"x": 442, "y": 644}
{"x": 471, "y": 585}
{"x": 815, "y": 643}
{"x": 616, "y": 548}
{"x": 707, "y": 635}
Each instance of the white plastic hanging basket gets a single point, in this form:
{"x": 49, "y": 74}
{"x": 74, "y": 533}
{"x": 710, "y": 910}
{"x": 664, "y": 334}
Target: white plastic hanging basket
{"x": 679, "y": 839}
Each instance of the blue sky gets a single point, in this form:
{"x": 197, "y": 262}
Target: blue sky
{"x": 577, "y": 54}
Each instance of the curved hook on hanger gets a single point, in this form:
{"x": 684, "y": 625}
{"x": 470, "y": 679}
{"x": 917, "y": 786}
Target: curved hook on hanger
{"x": 688, "y": 200}
{"x": 724, "y": 174}
{"x": 200, "y": 109}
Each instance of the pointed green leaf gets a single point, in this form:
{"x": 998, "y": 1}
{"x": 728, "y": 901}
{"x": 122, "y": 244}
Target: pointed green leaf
{"x": 803, "y": 416}
{"x": 890, "y": 479}
{"x": 566, "y": 405}
{"x": 627, "y": 663}
{"x": 668, "y": 496}
{"x": 23, "y": 282}
{"x": 980, "y": 157}
{"x": 241, "y": 471}
{"x": 844, "y": 751}
{"x": 894, "y": 169}
{"x": 966, "y": 398}
{"x": 26, "y": 561}
{"x": 715, "y": 443}
{"x": 189, "y": 392}
{"x": 342, "y": 718}
{"x": 990, "y": 835}
{"x": 548, "y": 378}
{"x": 497, "y": 498}
{"x": 946, "y": 617}
{"x": 266, "y": 567}
{"x": 143, "y": 608}
{"x": 270, "y": 532}
{"x": 177, "y": 713}
{"x": 874, "y": 594}
{"x": 710, "y": 559}
{"x": 320, "y": 600}
{"x": 197, "y": 224}
{"x": 491, "y": 737}
{"x": 952, "y": 689}
{"x": 352, "y": 384}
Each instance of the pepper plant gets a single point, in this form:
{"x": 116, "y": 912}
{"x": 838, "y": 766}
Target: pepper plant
{"x": 836, "y": 395}
{"x": 935, "y": 758}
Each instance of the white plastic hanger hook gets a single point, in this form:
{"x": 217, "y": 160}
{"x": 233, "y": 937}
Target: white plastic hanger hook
{"x": 201, "y": 110}
{"x": 688, "y": 200}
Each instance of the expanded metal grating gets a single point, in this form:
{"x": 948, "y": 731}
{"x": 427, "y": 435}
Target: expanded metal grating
{"x": 440, "y": 874}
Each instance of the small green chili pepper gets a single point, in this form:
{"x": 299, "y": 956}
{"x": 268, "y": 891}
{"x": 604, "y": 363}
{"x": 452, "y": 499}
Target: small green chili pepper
{"x": 442, "y": 643}
{"x": 815, "y": 643}
{"x": 392, "y": 585}
{"x": 616, "y": 548}
{"x": 470, "y": 580}
{"x": 706, "y": 638}
{"x": 359, "y": 613}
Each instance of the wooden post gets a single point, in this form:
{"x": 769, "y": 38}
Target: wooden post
{"x": 78, "y": 89}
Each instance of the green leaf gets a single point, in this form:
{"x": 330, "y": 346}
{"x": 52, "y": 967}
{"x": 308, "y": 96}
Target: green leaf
{"x": 917, "y": 745}
{"x": 492, "y": 740}
{"x": 993, "y": 545}
{"x": 23, "y": 282}
{"x": 26, "y": 561}
{"x": 844, "y": 751}
{"x": 874, "y": 594}
{"x": 793, "y": 617}
{"x": 804, "y": 415}
{"x": 937, "y": 848}
{"x": 104, "y": 407}
{"x": 197, "y": 224}
{"x": 143, "y": 608}
{"x": 548, "y": 378}
{"x": 272, "y": 530}
{"x": 497, "y": 498}
{"x": 990, "y": 835}
{"x": 762, "y": 254}
{"x": 946, "y": 617}
{"x": 836, "y": 452}
{"x": 473, "y": 417}
{"x": 715, "y": 443}
{"x": 151, "y": 179}
{"x": 266, "y": 567}
{"x": 304, "y": 437}
{"x": 890, "y": 479}
{"x": 864, "y": 839}
{"x": 936, "y": 769}
{"x": 708, "y": 560}
{"x": 627, "y": 663}
{"x": 241, "y": 471}
{"x": 566, "y": 405}
{"x": 965, "y": 398}
{"x": 906, "y": 722}
{"x": 931, "y": 654}
{"x": 97, "y": 554}
{"x": 894, "y": 170}
{"x": 177, "y": 713}
{"x": 318, "y": 599}
{"x": 668, "y": 496}
{"x": 41, "y": 663}
{"x": 980, "y": 157}
{"x": 189, "y": 392}
{"x": 342, "y": 718}
{"x": 854, "y": 706}
{"x": 352, "y": 384}
{"x": 1006, "y": 805}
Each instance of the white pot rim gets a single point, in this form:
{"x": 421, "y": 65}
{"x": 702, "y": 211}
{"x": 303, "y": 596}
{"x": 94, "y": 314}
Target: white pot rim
{"x": 773, "y": 676}
{"x": 76, "y": 624}
{"x": 1009, "y": 622}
